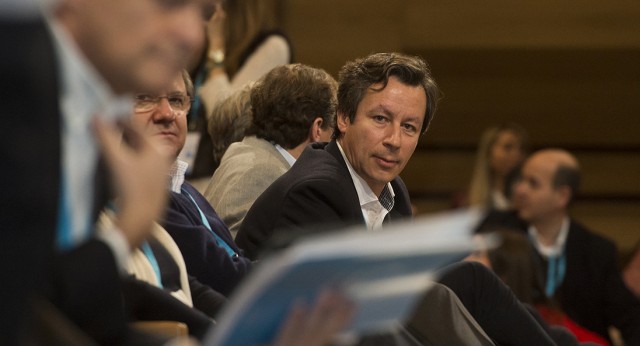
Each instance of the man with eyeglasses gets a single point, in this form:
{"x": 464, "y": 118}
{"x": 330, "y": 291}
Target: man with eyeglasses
{"x": 210, "y": 253}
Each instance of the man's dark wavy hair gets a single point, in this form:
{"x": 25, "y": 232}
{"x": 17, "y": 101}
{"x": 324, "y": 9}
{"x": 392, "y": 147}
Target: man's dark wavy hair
{"x": 358, "y": 76}
{"x": 288, "y": 99}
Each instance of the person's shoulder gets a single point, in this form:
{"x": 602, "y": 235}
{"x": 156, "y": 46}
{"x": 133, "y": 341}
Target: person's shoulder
{"x": 271, "y": 37}
{"x": 251, "y": 152}
{"x": 579, "y": 233}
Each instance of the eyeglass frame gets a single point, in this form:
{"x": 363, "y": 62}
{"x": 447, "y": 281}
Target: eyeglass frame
{"x": 157, "y": 99}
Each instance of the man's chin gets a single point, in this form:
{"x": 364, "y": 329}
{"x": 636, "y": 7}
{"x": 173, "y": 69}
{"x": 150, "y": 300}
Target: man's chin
{"x": 168, "y": 150}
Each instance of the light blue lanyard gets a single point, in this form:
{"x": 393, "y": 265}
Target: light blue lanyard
{"x": 205, "y": 222}
{"x": 555, "y": 273}
{"x": 66, "y": 237}
{"x": 63, "y": 234}
{"x": 146, "y": 248}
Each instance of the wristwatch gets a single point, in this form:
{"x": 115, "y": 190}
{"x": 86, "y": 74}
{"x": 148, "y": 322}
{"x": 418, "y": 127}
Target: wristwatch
{"x": 215, "y": 59}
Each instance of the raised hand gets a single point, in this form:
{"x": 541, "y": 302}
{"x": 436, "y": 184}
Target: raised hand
{"x": 316, "y": 325}
{"x": 140, "y": 173}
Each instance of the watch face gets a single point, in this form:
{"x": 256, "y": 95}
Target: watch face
{"x": 217, "y": 56}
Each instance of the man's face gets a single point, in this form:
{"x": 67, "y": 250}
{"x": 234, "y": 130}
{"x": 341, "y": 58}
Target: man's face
{"x": 535, "y": 197}
{"x": 161, "y": 121}
{"x": 136, "y": 44}
{"x": 384, "y": 132}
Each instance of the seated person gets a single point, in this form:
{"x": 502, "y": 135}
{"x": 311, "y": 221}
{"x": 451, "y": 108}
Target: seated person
{"x": 385, "y": 101}
{"x": 512, "y": 261}
{"x": 570, "y": 256}
{"x": 209, "y": 252}
{"x": 293, "y": 105}
{"x": 230, "y": 120}
{"x": 501, "y": 150}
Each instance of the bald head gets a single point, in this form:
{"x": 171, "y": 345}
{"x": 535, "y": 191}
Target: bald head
{"x": 556, "y": 158}
{"x": 565, "y": 167}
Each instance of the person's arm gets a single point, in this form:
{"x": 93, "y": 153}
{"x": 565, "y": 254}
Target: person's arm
{"x": 318, "y": 324}
{"x": 150, "y": 303}
{"x": 274, "y": 51}
{"x": 207, "y": 261}
{"x": 139, "y": 171}
{"x": 493, "y": 305}
{"x": 205, "y": 298}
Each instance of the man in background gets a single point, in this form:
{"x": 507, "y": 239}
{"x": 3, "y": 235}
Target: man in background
{"x": 579, "y": 266}
{"x": 292, "y": 106}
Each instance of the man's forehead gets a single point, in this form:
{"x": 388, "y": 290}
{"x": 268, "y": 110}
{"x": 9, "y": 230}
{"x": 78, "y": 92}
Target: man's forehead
{"x": 177, "y": 86}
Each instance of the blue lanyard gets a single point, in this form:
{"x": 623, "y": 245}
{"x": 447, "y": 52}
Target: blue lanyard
{"x": 64, "y": 239}
{"x": 152, "y": 259}
{"x": 556, "y": 270}
{"x": 555, "y": 273}
{"x": 223, "y": 244}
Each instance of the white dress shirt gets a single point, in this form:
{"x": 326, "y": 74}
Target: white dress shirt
{"x": 372, "y": 210}
{"x": 84, "y": 94}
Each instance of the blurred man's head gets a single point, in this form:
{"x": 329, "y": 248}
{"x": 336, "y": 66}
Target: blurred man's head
{"x": 163, "y": 116}
{"x": 549, "y": 181}
{"x": 135, "y": 44}
{"x": 385, "y": 102}
{"x": 293, "y": 104}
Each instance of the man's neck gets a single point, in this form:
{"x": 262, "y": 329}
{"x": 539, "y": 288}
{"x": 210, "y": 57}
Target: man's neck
{"x": 549, "y": 228}
{"x": 297, "y": 151}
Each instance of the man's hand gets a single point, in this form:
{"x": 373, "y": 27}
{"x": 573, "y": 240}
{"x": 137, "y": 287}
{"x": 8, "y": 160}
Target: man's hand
{"x": 140, "y": 176}
{"x": 317, "y": 325}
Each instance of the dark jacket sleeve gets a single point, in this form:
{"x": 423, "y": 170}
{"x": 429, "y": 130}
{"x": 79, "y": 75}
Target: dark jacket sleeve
{"x": 86, "y": 287}
{"x": 205, "y": 260}
{"x": 205, "y": 298}
{"x": 151, "y": 303}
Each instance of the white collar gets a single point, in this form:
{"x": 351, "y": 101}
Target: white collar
{"x": 287, "y": 155}
{"x": 558, "y": 247}
{"x": 365, "y": 194}
{"x": 178, "y": 170}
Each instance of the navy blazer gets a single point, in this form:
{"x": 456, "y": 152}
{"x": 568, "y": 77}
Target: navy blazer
{"x": 204, "y": 258}
{"x": 316, "y": 194}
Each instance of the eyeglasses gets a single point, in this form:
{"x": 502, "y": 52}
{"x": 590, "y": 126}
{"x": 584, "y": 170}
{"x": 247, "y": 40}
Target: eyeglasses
{"x": 177, "y": 102}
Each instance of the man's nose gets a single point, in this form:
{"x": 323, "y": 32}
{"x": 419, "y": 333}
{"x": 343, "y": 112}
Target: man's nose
{"x": 393, "y": 138}
{"x": 163, "y": 111}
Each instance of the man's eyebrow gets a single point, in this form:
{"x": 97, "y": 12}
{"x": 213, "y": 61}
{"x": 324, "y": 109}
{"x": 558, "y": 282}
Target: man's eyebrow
{"x": 384, "y": 110}
{"x": 381, "y": 109}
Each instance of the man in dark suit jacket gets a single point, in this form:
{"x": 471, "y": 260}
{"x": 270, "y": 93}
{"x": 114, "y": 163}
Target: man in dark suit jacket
{"x": 579, "y": 266}
{"x": 317, "y": 194}
{"x": 122, "y": 52}
{"x": 385, "y": 102}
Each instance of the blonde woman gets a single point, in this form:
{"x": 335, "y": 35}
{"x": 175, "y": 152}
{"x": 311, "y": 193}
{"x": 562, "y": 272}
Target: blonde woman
{"x": 501, "y": 150}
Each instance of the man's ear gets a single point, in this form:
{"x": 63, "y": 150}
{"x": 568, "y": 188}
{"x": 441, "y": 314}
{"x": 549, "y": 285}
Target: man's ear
{"x": 564, "y": 193}
{"x": 343, "y": 121}
{"x": 314, "y": 130}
